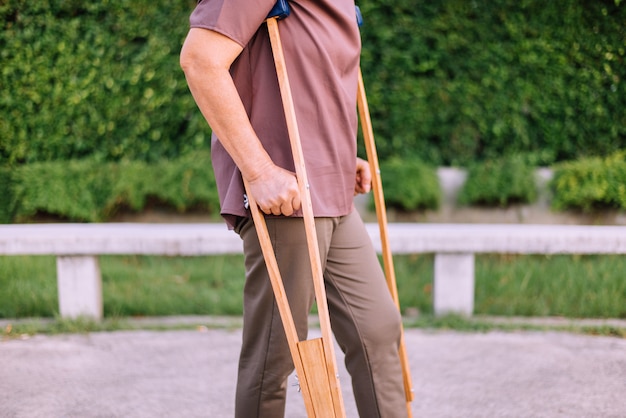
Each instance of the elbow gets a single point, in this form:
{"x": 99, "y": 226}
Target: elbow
{"x": 205, "y": 50}
{"x": 191, "y": 57}
{"x": 198, "y": 63}
{"x": 186, "y": 60}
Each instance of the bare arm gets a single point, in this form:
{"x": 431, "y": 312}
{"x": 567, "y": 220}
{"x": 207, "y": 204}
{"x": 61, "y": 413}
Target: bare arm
{"x": 206, "y": 58}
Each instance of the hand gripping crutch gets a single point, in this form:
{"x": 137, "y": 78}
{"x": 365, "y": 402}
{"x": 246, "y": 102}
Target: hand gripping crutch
{"x": 381, "y": 214}
{"x": 313, "y": 359}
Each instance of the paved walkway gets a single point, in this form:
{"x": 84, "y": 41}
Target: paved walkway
{"x": 188, "y": 374}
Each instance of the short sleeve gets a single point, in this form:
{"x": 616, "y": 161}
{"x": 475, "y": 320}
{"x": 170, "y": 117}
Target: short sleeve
{"x": 235, "y": 19}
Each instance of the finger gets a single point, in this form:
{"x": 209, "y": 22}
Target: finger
{"x": 361, "y": 186}
{"x": 287, "y": 209}
{"x": 264, "y": 207}
{"x": 366, "y": 181}
{"x": 296, "y": 203}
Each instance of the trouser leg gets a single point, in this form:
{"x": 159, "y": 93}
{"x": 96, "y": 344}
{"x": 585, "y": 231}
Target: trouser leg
{"x": 265, "y": 361}
{"x": 365, "y": 320}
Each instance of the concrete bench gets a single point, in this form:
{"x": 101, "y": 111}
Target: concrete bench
{"x": 77, "y": 247}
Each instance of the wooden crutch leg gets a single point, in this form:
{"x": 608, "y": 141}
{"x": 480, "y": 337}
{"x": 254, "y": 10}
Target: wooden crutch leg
{"x": 381, "y": 214}
{"x": 327, "y": 361}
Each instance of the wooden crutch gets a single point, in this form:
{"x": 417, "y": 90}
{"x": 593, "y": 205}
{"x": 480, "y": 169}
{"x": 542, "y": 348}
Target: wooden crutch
{"x": 381, "y": 215}
{"x": 313, "y": 359}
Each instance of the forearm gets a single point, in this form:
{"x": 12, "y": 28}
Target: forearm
{"x": 217, "y": 98}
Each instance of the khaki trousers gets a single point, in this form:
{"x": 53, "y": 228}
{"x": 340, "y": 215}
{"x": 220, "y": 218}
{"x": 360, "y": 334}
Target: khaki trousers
{"x": 364, "y": 319}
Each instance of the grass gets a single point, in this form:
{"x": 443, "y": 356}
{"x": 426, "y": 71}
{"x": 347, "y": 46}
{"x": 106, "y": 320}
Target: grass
{"x": 82, "y": 325}
{"x": 153, "y": 286}
{"x": 135, "y": 286}
{"x": 481, "y": 324}
{"x": 24, "y": 328}
{"x": 570, "y": 286}
{"x": 515, "y": 285}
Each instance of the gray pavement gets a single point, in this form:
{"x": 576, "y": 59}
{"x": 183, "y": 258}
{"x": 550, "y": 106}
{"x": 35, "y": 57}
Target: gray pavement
{"x": 191, "y": 373}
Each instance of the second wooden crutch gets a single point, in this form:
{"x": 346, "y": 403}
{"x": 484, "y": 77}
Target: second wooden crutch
{"x": 381, "y": 215}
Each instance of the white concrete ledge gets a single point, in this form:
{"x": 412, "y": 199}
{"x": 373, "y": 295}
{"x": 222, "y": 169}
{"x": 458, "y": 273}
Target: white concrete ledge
{"x": 118, "y": 238}
{"x": 77, "y": 247}
{"x": 503, "y": 238}
{"x": 207, "y": 239}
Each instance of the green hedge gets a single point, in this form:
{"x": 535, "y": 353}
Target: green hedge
{"x": 450, "y": 82}
{"x": 499, "y": 182}
{"x": 96, "y": 79}
{"x": 459, "y": 81}
{"x": 98, "y": 84}
{"x": 92, "y": 191}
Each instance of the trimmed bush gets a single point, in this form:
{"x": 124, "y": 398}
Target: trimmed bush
{"x": 590, "y": 184}
{"x": 6, "y": 196}
{"x": 72, "y": 190}
{"x": 500, "y": 182}
{"x": 92, "y": 191}
{"x": 183, "y": 184}
{"x": 410, "y": 185}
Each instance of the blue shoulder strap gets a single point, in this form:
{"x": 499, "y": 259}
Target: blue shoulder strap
{"x": 280, "y": 10}
{"x": 359, "y": 16}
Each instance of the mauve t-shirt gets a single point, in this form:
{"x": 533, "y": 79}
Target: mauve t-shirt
{"x": 322, "y": 46}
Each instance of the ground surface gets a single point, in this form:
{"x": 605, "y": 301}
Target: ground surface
{"x": 137, "y": 374}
